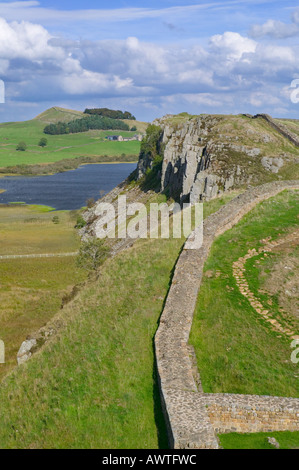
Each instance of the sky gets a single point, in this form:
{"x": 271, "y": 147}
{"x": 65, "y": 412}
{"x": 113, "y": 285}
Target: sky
{"x": 149, "y": 57}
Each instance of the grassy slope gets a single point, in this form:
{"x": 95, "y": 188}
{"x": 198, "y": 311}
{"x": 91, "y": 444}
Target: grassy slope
{"x": 55, "y": 114}
{"x": 286, "y": 440}
{"x": 94, "y": 385}
{"x": 31, "y": 289}
{"x": 236, "y": 350}
{"x": 291, "y": 124}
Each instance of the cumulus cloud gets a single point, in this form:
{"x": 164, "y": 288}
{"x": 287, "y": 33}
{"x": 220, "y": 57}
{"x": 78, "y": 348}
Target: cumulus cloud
{"x": 26, "y": 40}
{"x": 231, "y": 72}
{"x": 277, "y": 29}
{"x": 232, "y": 45}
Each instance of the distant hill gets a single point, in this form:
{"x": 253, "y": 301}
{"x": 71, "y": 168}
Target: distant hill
{"x": 56, "y": 114}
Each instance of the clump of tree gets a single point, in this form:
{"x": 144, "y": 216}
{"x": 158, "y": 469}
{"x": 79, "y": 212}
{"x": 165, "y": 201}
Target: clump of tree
{"x": 22, "y": 146}
{"x": 151, "y": 152}
{"x": 85, "y": 124}
{"x": 92, "y": 254}
{"x": 80, "y": 223}
{"x": 151, "y": 143}
{"x": 110, "y": 113}
{"x": 43, "y": 142}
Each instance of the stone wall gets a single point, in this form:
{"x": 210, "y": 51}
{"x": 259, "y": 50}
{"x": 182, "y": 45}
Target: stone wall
{"x": 280, "y": 128}
{"x": 252, "y": 413}
{"x": 192, "y": 416}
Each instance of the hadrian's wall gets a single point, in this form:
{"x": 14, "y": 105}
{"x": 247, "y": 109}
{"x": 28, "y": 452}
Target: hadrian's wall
{"x": 193, "y": 418}
{"x": 280, "y": 128}
{"x": 252, "y": 413}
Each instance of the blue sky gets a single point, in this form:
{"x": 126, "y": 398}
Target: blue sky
{"x": 149, "y": 57}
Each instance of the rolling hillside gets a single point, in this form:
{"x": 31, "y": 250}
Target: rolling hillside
{"x": 85, "y": 146}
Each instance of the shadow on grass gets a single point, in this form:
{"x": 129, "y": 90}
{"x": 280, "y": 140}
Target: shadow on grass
{"x": 158, "y": 411}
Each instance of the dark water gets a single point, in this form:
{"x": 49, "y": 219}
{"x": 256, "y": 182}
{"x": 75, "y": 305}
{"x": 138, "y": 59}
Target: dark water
{"x": 69, "y": 190}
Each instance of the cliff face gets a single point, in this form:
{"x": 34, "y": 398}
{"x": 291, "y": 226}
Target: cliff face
{"x": 204, "y": 156}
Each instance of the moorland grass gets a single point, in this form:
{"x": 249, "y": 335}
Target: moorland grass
{"x": 94, "y": 384}
{"x": 31, "y": 290}
{"x": 236, "y": 350}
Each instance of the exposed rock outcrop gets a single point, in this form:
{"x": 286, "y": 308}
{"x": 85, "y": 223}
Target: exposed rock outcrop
{"x": 206, "y": 155}
{"x": 26, "y": 350}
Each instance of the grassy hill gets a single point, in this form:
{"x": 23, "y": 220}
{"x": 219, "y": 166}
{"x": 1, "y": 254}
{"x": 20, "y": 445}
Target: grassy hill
{"x": 91, "y": 144}
{"x": 56, "y": 114}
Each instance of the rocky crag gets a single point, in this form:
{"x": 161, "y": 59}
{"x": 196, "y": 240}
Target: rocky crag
{"x": 204, "y": 156}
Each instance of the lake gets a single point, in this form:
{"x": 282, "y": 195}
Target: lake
{"x": 68, "y": 190}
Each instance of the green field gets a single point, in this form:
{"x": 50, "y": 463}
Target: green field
{"x": 237, "y": 351}
{"x": 31, "y": 290}
{"x": 90, "y": 144}
{"x": 61, "y": 147}
{"x": 286, "y": 440}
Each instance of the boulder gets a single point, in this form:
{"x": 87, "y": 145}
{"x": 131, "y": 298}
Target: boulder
{"x": 25, "y": 351}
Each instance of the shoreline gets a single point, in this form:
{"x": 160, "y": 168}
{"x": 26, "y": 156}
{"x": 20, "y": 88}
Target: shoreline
{"x": 51, "y": 173}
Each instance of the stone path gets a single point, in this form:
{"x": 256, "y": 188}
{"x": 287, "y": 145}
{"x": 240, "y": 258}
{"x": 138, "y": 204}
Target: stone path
{"x": 239, "y": 274}
{"x": 191, "y": 416}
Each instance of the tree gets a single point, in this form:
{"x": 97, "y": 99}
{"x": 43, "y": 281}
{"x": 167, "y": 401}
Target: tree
{"x": 43, "y": 142}
{"x": 134, "y": 128}
{"x": 92, "y": 254}
{"x": 22, "y": 146}
{"x": 110, "y": 113}
{"x": 85, "y": 124}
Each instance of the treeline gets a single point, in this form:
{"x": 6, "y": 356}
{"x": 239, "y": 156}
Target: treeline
{"x": 110, "y": 113}
{"x": 85, "y": 124}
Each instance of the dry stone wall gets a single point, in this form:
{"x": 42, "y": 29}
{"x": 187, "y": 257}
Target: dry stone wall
{"x": 280, "y": 128}
{"x": 193, "y": 417}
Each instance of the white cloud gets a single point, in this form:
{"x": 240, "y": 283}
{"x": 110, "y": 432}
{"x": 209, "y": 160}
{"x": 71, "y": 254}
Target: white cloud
{"x": 26, "y": 41}
{"x": 275, "y": 29}
{"x": 232, "y": 71}
{"x": 86, "y": 82}
{"x": 232, "y": 45}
